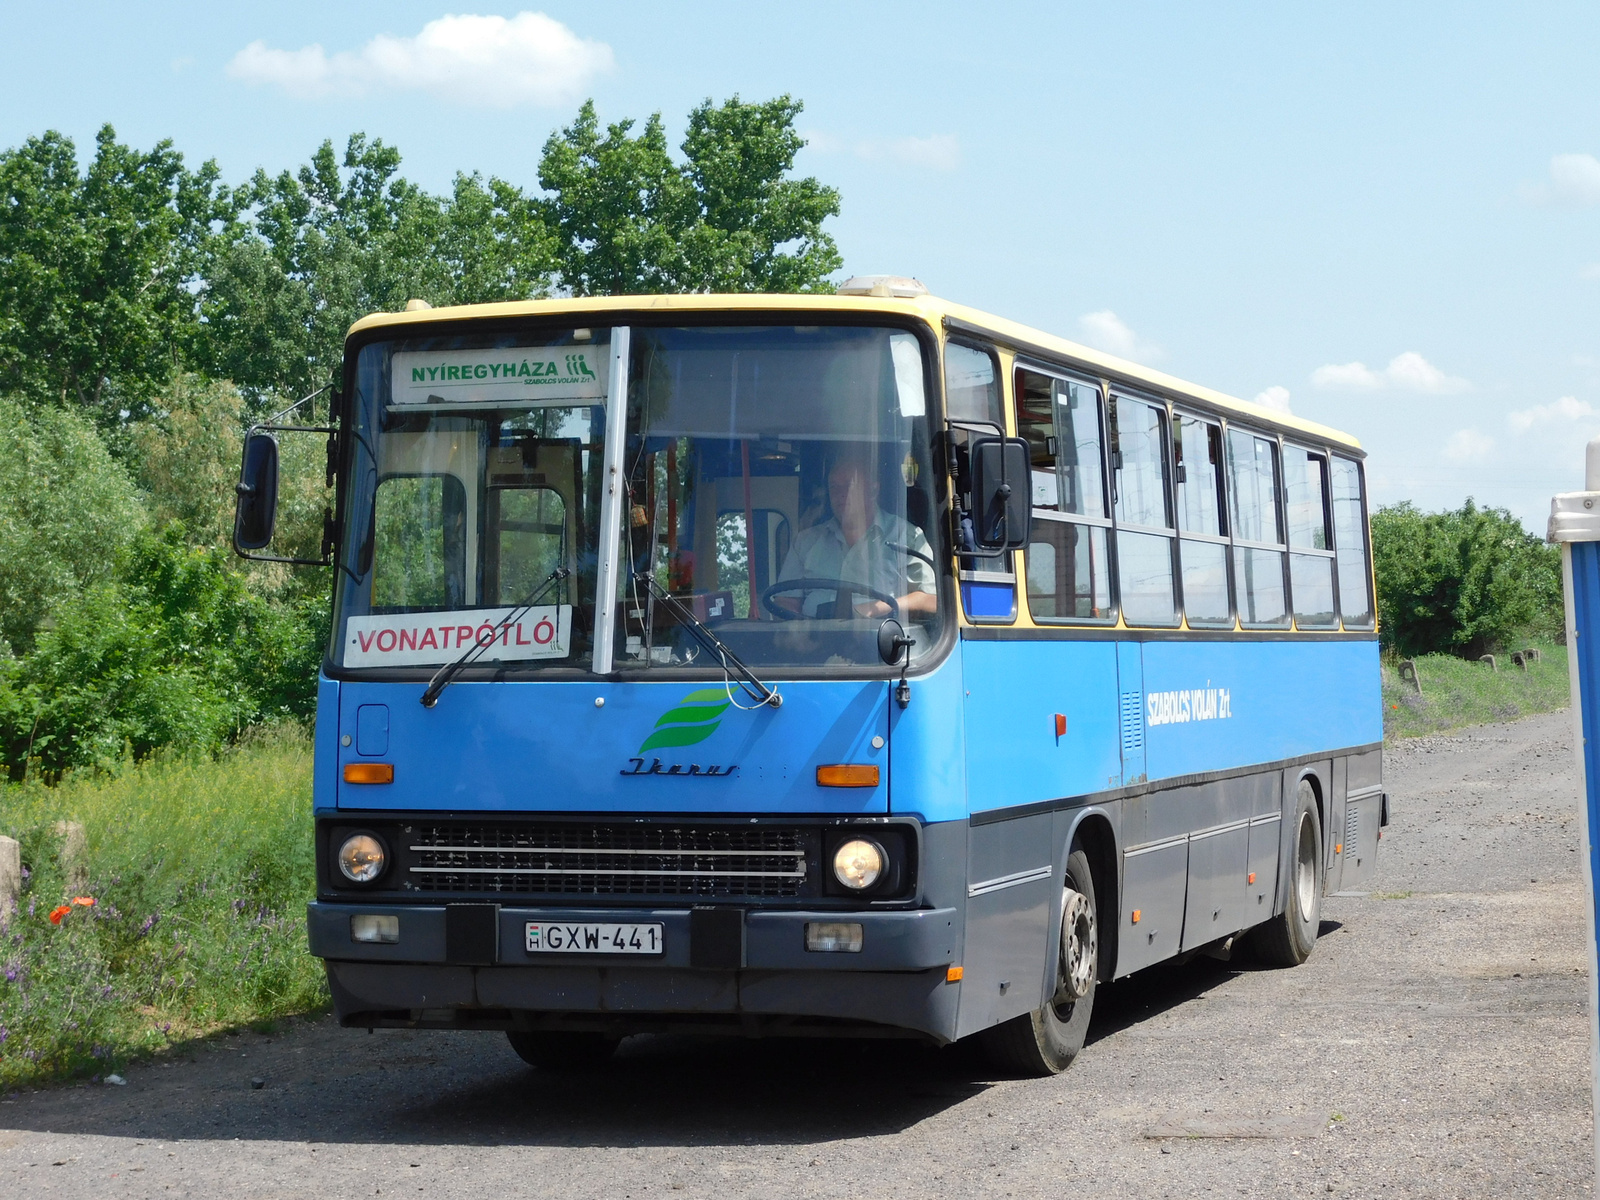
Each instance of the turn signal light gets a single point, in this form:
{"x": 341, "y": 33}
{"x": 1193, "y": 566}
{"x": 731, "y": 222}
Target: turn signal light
{"x": 359, "y": 772}
{"x": 953, "y": 974}
{"x": 846, "y": 775}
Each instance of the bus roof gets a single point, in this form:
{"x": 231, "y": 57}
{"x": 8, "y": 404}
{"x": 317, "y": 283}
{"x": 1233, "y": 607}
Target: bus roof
{"x": 932, "y": 309}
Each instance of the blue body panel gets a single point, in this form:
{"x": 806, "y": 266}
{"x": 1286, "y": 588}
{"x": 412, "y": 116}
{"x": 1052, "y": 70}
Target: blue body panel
{"x": 980, "y": 733}
{"x": 926, "y": 745}
{"x": 1014, "y": 689}
{"x": 325, "y": 746}
{"x": 549, "y": 747}
{"x": 1157, "y": 709}
{"x": 1278, "y": 699}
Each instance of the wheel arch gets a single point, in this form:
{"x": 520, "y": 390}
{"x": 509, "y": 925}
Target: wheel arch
{"x": 1094, "y": 834}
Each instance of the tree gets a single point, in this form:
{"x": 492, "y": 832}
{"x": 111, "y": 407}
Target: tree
{"x": 1463, "y": 582}
{"x": 67, "y": 508}
{"x": 748, "y": 211}
{"x": 627, "y": 219}
{"x": 313, "y": 251}
{"x": 95, "y": 269}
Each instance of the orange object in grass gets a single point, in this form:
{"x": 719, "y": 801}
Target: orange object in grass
{"x": 58, "y": 913}
{"x": 83, "y": 901}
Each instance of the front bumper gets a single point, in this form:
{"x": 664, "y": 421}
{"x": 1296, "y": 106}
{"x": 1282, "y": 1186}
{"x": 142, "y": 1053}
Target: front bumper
{"x": 896, "y": 982}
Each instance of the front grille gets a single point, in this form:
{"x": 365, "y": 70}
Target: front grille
{"x": 607, "y": 860}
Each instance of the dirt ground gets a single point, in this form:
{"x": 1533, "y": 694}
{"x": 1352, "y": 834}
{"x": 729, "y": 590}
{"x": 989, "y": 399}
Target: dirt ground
{"x": 1435, "y": 1045}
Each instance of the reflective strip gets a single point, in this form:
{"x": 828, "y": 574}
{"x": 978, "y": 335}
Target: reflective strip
{"x": 1006, "y": 881}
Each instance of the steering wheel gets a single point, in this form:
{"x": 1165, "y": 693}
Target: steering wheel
{"x": 839, "y": 587}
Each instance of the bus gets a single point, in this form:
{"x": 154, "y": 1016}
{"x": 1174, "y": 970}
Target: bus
{"x": 816, "y": 665}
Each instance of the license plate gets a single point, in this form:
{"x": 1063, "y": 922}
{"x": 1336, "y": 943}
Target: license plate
{"x": 590, "y": 937}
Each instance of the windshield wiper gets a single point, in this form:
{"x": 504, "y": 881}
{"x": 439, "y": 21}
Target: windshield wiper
{"x": 731, "y": 663}
{"x": 445, "y": 674}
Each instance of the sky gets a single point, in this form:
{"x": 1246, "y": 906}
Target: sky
{"x": 1382, "y": 217}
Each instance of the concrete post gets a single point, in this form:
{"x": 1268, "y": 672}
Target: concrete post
{"x": 10, "y": 877}
{"x": 1575, "y": 527}
{"x": 74, "y": 856}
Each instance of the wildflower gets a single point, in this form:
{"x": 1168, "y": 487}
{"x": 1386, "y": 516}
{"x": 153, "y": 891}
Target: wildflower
{"x": 83, "y": 901}
{"x": 149, "y": 923}
{"x": 57, "y": 913}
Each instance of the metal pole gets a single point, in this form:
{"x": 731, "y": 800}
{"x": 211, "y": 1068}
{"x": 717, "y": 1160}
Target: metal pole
{"x": 1575, "y": 527}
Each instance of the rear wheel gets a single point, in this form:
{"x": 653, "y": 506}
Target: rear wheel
{"x": 562, "y": 1051}
{"x": 1045, "y": 1041}
{"x": 1289, "y": 938}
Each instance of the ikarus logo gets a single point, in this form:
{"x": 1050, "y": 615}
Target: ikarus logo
{"x": 688, "y": 723}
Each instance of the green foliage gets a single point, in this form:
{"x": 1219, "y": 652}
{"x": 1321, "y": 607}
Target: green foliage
{"x": 314, "y": 250}
{"x": 200, "y": 872}
{"x": 66, "y": 510}
{"x": 1462, "y": 582}
{"x": 628, "y": 219}
{"x": 175, "y": 651}
{"x": 93, "y": 269}
{"x": 1458, "y": 692}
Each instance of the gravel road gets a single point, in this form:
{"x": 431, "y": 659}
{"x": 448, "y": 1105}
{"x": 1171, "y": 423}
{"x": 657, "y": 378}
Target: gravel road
{"x": 1434, "y": 1046}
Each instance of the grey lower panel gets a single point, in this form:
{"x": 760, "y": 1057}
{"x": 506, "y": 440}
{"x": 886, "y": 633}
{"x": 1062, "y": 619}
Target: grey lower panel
{"x": 636, "y": 998}
{"x": 904, "y": 940}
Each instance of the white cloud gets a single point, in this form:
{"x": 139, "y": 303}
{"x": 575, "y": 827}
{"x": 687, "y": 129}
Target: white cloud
{"x": 1567, "y": 408}
{"x": 491, "y": 62}
{"x": 1408, "y": 372}
{"x": 937, "y": 152}
{"x": 1104, "y": 330}
{"x": 1589, "y": 271}
{"x": 941, "y": 152}
{"x": 1574, "y": 182}
{"x": 1275, "y": 397}
{"x": 1468, "y": 445}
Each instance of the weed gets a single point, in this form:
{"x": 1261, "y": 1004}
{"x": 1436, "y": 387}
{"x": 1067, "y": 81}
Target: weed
{"x": 1456, "y": 691}
{"x": 199, "y": 871}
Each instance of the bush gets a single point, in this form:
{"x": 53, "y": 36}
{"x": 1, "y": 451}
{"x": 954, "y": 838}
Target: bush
{"x": 175, "y": 651}
{"x": 67, "y": 508}
{"x": 1466, "y": 582}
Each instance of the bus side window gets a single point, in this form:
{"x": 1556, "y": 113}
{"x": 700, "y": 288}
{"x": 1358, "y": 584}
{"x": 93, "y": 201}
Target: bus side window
{"x": 419, "y": 530}
{"x": 1305, "y": 492}
{"x": 972, "y": 393}
{"x": 1258, "y": 548}
{"x": 1350, "y": 541}
{"x": 1203, "y": 543}
{"x": 1145, "y": 534}
{"x": 1068, "y": 567}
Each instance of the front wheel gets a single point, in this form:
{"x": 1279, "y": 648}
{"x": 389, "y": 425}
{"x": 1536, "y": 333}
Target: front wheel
{"x": 1045, "y": 1041}
{"x": 1289, "y": 938}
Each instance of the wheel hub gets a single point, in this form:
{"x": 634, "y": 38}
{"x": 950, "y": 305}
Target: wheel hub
{"x": 1080, "y": 946}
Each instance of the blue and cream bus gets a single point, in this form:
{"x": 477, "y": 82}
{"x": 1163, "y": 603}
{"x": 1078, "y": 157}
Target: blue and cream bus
{"x": 849, "y": 665}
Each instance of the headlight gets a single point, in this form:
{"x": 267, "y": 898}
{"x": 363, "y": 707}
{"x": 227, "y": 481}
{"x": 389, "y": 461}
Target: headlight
{"x": 859, "y": 863}
{"x": 362, "y": 858}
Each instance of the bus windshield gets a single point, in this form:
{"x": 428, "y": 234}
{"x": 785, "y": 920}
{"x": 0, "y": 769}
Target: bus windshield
{"x": 780, "y": 482}
{"x": 779, "y": 485}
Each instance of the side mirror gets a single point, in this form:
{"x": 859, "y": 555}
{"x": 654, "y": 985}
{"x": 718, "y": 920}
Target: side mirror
{"x": 1000, "y": 493}
{"x": 893, "y": 642}
{"x": 257, "y": 510}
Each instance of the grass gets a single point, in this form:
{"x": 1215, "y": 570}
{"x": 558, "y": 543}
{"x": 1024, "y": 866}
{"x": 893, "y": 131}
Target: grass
{"x": 199, "y": 871}
{"x": 1456, "y": 692}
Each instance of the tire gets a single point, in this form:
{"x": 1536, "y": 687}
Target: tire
{"x": 1289, "y": 938}
{"x": 1045, "y": 1041}
{"x": 562, "y": 1051}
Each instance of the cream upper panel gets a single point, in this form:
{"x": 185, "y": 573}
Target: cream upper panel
{"x": 932, "y": 310}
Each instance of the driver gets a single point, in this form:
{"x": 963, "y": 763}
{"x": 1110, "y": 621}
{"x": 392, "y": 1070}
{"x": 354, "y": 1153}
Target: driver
{"x": 861, "y": 544}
